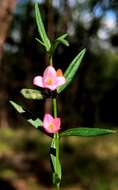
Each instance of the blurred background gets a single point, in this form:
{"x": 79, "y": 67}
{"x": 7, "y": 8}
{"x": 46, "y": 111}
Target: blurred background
{"x": 90, "y": 101}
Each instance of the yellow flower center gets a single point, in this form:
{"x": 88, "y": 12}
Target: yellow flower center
{"x": 49, "y": 81}
{"x": 51, "y": 126}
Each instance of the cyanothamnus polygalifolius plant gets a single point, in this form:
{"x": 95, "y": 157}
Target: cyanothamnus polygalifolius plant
{"x": 55, "y": 81}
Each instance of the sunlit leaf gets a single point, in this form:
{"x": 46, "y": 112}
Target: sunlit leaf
{"x": 31, "y": 94}
{"x": 86, "y": 132}
{"x": 41, "y": 28}
{"x": 71, "y": 70}
{"x": 36, "y": 122}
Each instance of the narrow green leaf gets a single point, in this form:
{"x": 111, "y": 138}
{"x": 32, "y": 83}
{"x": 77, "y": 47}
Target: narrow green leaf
{"x": 41, "y": 28}
{"x": 17, "y": 107}
{"x": 86, "y": 132}
{"x": 39, "y": 41}
{"x": 74, "y": 65}
{"x": 71, "y": 70}
{"x": 60, "y": 40}
{"x": 63, "y": 40}
{"x": 63, "y": 36}
{"x": 35, "y": 122}
{"x": 55, "y": 163}
{"x": 31, "y": 94}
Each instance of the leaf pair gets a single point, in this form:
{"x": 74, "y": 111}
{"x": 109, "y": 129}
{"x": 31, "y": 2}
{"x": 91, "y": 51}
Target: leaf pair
{"x": 83, "y": 132}
{"x": 50, "y": 48}
{"x": 55, "y": 43}
{"x": 31, "y": 118}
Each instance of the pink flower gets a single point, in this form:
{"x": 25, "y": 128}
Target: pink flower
{"x": 51, "y": 79}
{"x": 50, "y": 124}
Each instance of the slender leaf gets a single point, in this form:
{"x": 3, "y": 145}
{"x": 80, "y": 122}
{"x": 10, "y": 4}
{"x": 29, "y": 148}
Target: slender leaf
{"x": 55, "y": 163}
{"x": 60, "y": 40}
{"x": 17, "y": 107}
{"x": 74, "y": 65}
{"x": 39, "y": 41}
{"x": 65, "y": 42}
{"x": 71, "y": 70}
{"x": 41, "y": 28}
{"x": 86, "y": 132}
{"x": 36, "y": 122}
{"x": 31, "y": 94}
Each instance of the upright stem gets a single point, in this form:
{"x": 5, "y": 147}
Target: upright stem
{"x": 56, "y": 138}
{"x": 56, "y": 135}
{"x": 54, "y": 107}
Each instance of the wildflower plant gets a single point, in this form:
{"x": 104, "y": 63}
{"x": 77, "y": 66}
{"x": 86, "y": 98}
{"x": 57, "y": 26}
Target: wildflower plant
{"x": 56, "y": 82}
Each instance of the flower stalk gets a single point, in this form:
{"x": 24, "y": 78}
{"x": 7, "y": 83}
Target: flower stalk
{"x": 56, "y": 139}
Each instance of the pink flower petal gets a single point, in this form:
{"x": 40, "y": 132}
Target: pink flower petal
{"x": 49, "y": 78}
{"x": 49, "y": 72}
{"x": 57, "y": 123}
{"x": 49, "y": 83}
{"x": 60, "y": 81}
{"x": 47, "y": 120}
{"x": 38, "y": 81}
{"x": 51, "y": 87}
{"x": 50, "y": 124}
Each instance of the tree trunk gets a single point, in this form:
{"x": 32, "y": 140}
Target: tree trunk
{"x": 6, "y": 14}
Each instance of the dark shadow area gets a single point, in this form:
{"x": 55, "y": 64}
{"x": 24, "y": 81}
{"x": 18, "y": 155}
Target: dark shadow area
{"x": 6, "y": 185}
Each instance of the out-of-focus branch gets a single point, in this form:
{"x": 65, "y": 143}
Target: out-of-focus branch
{"x": 6, "y": 13}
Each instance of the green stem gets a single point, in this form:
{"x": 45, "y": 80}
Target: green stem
{"x": 56, "y": 135}
{"x": 50, "y": 61}
{"x": 56, "y": 138}
{"x": 55, "y": 107}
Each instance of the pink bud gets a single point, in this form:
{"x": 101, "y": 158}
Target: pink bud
{"x": 50, "y": 124}
{"x": 51, "y": 79}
